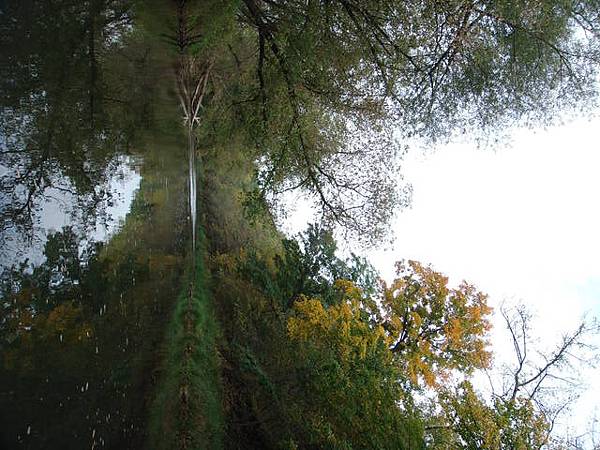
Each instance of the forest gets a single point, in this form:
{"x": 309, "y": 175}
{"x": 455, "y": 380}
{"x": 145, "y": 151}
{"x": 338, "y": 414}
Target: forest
{"x": 198, "y": 323}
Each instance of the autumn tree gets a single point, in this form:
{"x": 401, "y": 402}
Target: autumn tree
{"x": 384, "y": 368}
{"x": 415, "y": 330}
{"x": 472, "y": 423}
{"x": 350, "y": 394}
{"x": 434, "y": 329}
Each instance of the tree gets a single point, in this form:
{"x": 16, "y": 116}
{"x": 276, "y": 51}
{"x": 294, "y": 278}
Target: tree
{"x": 333, "y": 78}
{"x": 471, "y": 423}
{"x": 435, "y": 329}
{"x": 309, "y": 266}
{"x": 547, "y": 378}
{"x": 536, "y": 388}
{"x": 350, "y": 396}
{"x": 416, "y": 329}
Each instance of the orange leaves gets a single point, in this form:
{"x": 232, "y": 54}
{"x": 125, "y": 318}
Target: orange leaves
{"x": 427, "y": 328}
{"x": 417, "y": 368}
{"x": 434, "y": 328}
{"x": 454, "y": 332}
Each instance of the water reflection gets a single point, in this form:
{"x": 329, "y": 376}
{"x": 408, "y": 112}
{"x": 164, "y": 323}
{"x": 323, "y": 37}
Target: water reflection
{"x": 58, "y": 209}
{"x": 83, "y": 99}
{"x": 64, "y": 115}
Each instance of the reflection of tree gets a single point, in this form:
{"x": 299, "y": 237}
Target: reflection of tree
{"x": 79, "y": 332}
{"x": 62, "y": 126}
{"x": 47, "y": 334}
{"x": 76, "y": 342}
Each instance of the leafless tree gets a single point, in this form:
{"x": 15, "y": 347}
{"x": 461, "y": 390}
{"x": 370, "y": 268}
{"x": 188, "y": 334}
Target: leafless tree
{"x": 549, "y": 378}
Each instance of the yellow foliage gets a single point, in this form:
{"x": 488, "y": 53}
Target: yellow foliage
{"x": 434, "y": 328}
{"x": 338, "y": 327}
{"x": 428, "y": 328}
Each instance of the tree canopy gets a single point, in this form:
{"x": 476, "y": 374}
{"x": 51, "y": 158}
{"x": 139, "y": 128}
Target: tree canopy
{"x": 305, "y": 349}
{"x": 329, "y": 88}
{"x": 324, "y": 93}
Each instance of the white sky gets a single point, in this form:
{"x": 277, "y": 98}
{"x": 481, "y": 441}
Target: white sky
{"x": 521, "y": 222}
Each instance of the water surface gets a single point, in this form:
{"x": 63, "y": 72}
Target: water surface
{"x": 94, "y": 222}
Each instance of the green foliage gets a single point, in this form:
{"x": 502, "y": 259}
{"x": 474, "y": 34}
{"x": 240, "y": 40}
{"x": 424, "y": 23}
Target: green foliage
{"x": 313, "y": 359}
{"x": 309, "y": 266}
{"x": 201, "y": 29}
{"x": 272, "y": 384}
{"x": 187, "y": 412}
{"x": 349, "y": 384}
{"x": 473, "y": 424}
{"x": 318, "y": 87}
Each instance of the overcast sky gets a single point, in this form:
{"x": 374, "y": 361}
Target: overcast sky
{"x": 521, "y": 222}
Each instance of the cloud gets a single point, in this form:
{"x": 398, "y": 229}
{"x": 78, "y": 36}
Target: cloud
{"x": 522, "y": 223}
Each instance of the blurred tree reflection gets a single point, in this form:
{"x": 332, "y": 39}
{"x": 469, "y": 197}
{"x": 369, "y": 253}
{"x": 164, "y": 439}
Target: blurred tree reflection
{"x": 70, "y": 84}
{"x": 79, "y": 329}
